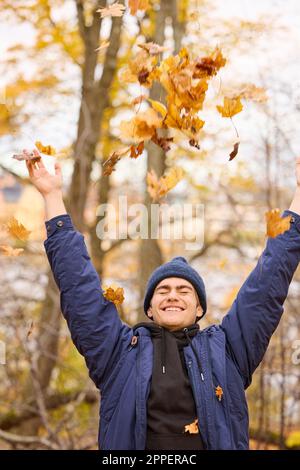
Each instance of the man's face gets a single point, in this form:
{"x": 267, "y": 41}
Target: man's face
{"x": 174, "y": 304}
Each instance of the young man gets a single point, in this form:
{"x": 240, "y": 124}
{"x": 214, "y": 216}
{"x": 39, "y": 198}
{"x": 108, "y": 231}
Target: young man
{"x": 161, "y": 376}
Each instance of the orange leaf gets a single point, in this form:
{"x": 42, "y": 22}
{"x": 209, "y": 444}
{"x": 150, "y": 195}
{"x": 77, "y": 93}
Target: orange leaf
{"x": 159, "y": 187}
{"x": 136, "y": 5}
{"x": 17, "y": 230}
{"x": 46, "y": 149}
{"x": 117, "y": 9}
{"x": 142, "y": 126}
{"x": 230, "y": 107}
{"x": 114, "y": 294}
{"x": 276, "y": 224}
{"x": 192, "y": 428}
{"x": 9, "y": 251}
{"x": 135, "y": 151}
{"x": 219, "y": 392}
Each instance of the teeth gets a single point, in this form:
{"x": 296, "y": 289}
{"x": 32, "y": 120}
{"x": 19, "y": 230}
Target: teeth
{"x": 174, "y": 309}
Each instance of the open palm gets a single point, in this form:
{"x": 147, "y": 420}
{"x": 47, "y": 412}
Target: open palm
{"x": 42, "y": 179}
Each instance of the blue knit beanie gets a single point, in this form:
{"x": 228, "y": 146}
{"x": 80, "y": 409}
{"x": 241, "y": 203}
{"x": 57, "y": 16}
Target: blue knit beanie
{"x": 177, "y": 267}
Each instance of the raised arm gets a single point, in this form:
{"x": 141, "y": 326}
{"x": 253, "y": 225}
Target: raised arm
{"x": 257, "y": 309}
{"x": 94, "y": 323}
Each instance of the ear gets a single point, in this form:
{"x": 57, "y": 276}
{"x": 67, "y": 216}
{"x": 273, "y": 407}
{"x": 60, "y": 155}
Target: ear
{"x": 199, "y": 310}
{"x": 149, "y": 312}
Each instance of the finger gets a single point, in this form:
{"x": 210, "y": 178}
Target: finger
{"x": 57, "y": 168}
{"x": 29, "y": 167}
{"x": 39, "y": 162}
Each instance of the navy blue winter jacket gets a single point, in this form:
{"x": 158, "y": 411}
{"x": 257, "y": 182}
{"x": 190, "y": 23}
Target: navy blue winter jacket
{"x": 229, "y": 352}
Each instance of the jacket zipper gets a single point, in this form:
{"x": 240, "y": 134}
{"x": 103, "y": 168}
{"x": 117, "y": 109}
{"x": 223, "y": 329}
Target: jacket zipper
{"x": 197, "y": 398}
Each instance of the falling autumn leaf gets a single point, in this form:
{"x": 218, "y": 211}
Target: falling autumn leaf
{"x": 230, "y": 107}
{"x": 33, "y": 156}
{"x": 276, "y": 224}
{"x": 17, "y": 230}
{"x": 142, "y": 126}
{"x": 159, "y": 107}
{"x": 139, "y": 99}
{"x": 159, "y": 187}
{"x": 46, "y": 149}
{"x": 103, "y": 45}
{"x": 136, "y": 5}
{"x": 137, "y": 150}
{"x": 192, "y": 428}
{"x": 9, "y": 251}
{"x": 234, "y": 151}
{"x": 114, "y": 294}
{"x": 109, "y": 164}
{"x": 163, "y": 142}
{"x": 152, "y": 48}
{"x": 116, "y": 9}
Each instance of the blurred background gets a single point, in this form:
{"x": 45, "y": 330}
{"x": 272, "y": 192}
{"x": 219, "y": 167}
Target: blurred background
{"x": 56, "y": 88}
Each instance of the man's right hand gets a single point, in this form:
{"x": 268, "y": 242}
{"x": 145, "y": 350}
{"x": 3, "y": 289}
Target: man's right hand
{"x": 44, "y": 182}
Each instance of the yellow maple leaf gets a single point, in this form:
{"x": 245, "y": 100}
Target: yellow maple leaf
{"x": 17, "y": 230}
{"x": 192, "y": 428}
{"x": 46, "y": 149}
{"x": 159, "y": 187}
{"x": 114, "y": 294}
{"x": 116, "y": 9}
{"x": 9, "y": 251}
{"x": 159, "y": 107}
{"x": 230, "y": 107}
{"x": 276, "y": 224}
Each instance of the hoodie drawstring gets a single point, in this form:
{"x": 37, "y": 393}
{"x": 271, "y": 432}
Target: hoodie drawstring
{"x": 163, "y": 351}
{"x": 186, "y": 332}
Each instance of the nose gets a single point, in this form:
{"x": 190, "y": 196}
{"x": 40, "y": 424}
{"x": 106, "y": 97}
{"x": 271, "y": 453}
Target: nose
{"x": 172, "y": 295}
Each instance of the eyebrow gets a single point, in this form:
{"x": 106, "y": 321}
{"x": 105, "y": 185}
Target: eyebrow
{"x": 183, "y": 286}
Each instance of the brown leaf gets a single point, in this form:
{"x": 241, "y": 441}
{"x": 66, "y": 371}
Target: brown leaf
{"x": 276, "y": 224}
{"x": 192, "y": 428}
{"x": 163, "y": 142}
{"x": 109, "y": 164}
{"x": 9, "y": 251}
{"x": 33, "y": 156}
{"x": 17, "y": 230}
{"x": 234, "y": 151}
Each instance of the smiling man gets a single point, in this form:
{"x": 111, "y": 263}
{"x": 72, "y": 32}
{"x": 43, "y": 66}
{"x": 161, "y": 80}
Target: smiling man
{"x": 165, "y": 384}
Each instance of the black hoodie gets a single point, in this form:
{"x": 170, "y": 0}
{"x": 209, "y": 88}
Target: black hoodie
{"x": 171, "y": 404}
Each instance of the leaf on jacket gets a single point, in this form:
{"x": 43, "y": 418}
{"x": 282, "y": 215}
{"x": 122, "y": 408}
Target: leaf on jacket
{"x": 10, "y": 251}
{"x": 219, "y": 392}
{"x": 192, "y": 428}
{"x": 114, "y": 294}
{"x": 159, "y": 187}
{"x": 276, "y": 224}
{"x": 230, "y": 107}
{"x": 136, "y": 5}
{"x": 17, "y": 230}
{"x": 116, "y": 9}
